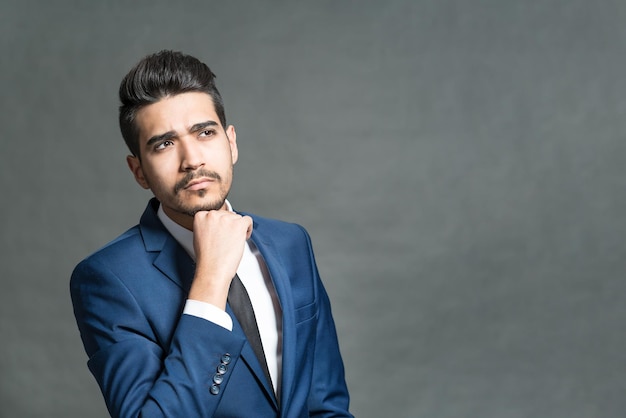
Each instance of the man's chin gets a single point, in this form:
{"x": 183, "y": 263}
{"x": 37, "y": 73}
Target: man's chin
{"x": 205, "y": 207}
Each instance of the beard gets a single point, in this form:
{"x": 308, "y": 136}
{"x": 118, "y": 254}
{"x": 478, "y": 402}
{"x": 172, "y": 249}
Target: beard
{"x": 191, "y": 210}
{"x": 183, "y": 205}
{"x": 215, "y": 204}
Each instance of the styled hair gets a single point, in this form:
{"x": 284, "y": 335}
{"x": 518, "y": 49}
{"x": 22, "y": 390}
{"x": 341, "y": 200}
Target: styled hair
{"x": 159, "y": 75}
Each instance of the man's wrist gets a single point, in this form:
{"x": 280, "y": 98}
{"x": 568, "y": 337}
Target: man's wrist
{"x": 209, "y": 312}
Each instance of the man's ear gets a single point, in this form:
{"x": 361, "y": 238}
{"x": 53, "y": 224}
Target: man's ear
{"x": 232, "y": 141}
{"x": 135, "y": 167}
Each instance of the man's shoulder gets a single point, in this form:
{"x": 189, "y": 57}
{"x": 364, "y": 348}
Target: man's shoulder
{"x": 285, "y": 236}
{"x": 272, "y": 225}
{"x": 125, "y": 243}
{"x": 132, "y": 240}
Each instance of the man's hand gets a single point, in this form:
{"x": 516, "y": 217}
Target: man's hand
{"x": 219, "y": 238}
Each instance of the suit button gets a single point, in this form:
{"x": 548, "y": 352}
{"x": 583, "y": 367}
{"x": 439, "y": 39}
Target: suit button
{"x": 225, "y": 358}
{"x": 215, "y": 389}
{"x": 218, "y": 378}
{"x": 222, "y": 369}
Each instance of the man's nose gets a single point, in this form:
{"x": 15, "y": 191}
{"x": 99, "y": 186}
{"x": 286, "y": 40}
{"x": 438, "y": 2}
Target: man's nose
{"x": 191, "y": 156}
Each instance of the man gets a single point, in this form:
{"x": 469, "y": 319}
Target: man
{"x": 160, "y": 308}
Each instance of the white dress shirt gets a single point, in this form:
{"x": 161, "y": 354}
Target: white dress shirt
{"x": 256, "y": 279}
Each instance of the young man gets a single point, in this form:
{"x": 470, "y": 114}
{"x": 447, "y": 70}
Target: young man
{"x": 162, "y": 310}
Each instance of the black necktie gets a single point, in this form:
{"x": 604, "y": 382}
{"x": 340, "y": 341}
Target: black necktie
{"x": 242, "y": 308}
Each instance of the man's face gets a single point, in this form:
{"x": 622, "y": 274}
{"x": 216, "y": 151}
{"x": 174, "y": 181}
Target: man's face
{"x": 187, "y": 156}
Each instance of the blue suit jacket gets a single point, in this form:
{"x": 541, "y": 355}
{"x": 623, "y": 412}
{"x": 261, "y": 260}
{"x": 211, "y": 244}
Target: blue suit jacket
{"x": 150, "y": 360}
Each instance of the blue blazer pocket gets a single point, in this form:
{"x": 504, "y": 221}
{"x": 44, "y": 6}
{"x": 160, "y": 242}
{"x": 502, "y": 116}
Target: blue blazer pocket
{"x": 306, "y": 312}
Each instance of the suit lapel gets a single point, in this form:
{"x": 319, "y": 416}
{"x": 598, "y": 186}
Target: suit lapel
{"x": 175, "y": 263}
{"x": 170, "y": 258}
{"x": 280, "y": 279}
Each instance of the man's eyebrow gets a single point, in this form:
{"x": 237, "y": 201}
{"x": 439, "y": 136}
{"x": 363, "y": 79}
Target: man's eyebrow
{"x": 201, "y": 125}
{"x": 158, "y": 138}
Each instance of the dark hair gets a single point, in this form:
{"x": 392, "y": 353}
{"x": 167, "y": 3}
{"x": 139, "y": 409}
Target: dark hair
{"x": 165, "y": 73}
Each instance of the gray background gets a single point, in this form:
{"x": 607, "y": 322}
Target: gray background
{"x": 459, "y": 165}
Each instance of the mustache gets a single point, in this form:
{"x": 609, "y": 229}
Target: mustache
{"x": 192, "y": 175}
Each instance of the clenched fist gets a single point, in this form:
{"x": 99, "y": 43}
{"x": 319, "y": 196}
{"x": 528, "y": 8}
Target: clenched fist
{"x": 219, "y": 238}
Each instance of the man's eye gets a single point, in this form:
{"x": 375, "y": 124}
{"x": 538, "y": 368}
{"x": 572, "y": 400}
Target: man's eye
{"x": 163, "y": 145}
{"x": 207, "y": 132}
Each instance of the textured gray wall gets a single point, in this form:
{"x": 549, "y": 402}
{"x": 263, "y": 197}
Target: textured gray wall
{"x": 459, "y": 164}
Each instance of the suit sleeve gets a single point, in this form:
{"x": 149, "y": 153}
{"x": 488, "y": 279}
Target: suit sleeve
{"x": 329, "y": 393}
{"x": 138, "y": 378}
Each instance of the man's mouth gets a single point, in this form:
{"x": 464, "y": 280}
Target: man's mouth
{"x": 199, "y": 184}
{"x": 197, "y": 180}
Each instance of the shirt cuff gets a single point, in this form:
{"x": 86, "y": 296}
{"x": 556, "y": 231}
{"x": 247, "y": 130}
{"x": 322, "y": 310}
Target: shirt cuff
{"x": 209, "y": 312}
